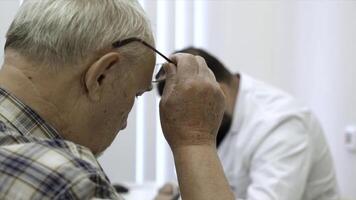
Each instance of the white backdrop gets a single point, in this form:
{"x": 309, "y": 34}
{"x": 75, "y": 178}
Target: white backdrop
{"x": 306, "y": 47}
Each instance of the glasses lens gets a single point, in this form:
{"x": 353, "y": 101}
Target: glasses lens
{"x": 158, "y": 73}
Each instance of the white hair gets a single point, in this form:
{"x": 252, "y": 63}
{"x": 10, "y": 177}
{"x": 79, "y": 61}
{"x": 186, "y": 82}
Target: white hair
{"x": 57, "y": 32}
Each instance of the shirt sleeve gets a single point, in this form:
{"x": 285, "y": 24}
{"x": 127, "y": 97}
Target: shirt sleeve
{"x": 281, "y": 162}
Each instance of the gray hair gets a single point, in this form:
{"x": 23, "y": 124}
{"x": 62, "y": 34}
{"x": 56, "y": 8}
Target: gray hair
{"x": 57, "y": 32}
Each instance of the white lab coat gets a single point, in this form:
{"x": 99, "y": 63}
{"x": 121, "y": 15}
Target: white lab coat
{"x": 275, "y": 149}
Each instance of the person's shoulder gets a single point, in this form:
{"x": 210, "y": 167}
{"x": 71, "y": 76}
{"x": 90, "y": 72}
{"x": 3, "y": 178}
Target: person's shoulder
{"x": 267, "y": 109}
{"x": 52, "y": 169}
{"x": 264, "y": 93}
{"x": 81, "y": 175}
{"x": 270, "y": 102}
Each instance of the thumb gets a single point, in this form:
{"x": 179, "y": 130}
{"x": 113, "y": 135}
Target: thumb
{"x": 170, "y": 74}
{"x": 167, "y": 189}
{"x": 170, "y": 69}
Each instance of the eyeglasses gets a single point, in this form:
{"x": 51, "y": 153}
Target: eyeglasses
{"x": 158, "y": 73}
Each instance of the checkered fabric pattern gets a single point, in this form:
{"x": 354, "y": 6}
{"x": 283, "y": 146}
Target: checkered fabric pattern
{"x": 36, "y": 163}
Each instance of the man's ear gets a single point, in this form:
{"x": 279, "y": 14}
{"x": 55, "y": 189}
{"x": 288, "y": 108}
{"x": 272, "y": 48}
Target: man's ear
{"x": 97, "y": 72}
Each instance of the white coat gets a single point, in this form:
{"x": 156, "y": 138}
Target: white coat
{"x": 275, "y": 148}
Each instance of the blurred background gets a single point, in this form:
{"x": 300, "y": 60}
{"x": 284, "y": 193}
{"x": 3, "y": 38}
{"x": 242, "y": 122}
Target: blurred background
{"x": 305, "y": 47}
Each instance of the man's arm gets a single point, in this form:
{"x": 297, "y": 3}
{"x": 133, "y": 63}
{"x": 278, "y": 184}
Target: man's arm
{"x": 191, "y": 111}
{"x": 200, "y": 174}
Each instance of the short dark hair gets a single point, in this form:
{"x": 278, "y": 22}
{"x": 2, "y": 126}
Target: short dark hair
{"x": 222, "y": 74}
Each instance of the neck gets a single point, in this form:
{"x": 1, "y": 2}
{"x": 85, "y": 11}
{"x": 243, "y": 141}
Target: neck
{"x": 23, "y": 81}
{"x": 59, "y": 98}
{"x": 233, "y": 93}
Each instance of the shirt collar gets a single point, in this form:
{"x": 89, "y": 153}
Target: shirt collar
{"x": 23, "y": 118}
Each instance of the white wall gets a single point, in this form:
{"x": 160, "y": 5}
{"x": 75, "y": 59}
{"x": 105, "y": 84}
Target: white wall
{"x": 8, "y": 10}
{"x": 330, "y": 80}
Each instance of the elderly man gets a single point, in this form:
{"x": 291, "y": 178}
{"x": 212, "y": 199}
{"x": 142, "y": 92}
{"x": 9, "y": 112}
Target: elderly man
{"x": 270, "y": 146}
{"x": 71, "y": 72}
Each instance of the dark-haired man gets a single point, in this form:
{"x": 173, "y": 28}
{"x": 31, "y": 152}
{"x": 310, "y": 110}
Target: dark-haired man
{"x": 271, "y": 147}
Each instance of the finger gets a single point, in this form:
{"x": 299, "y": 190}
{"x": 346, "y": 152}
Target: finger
{"x": 175, "y": 57}
{"x": 163, "y": 197}
{"x": 160, "y": 75}
{"x": 204, "y": 70}
{"x": 167, "y": 189}
{"x": 170, "y": 75}
{"x": 187, "y": 65}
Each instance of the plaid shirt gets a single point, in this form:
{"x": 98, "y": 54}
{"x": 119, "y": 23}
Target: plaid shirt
{"x": 36, "y": 163}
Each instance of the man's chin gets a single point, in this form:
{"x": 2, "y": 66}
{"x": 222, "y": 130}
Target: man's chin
{"x": 124, "y": 121}
{"x": 109, "y": 142}
{"x": 101, "y": 152}
{"x": 97, "y": 155}
{"x": 124, "y": 126}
